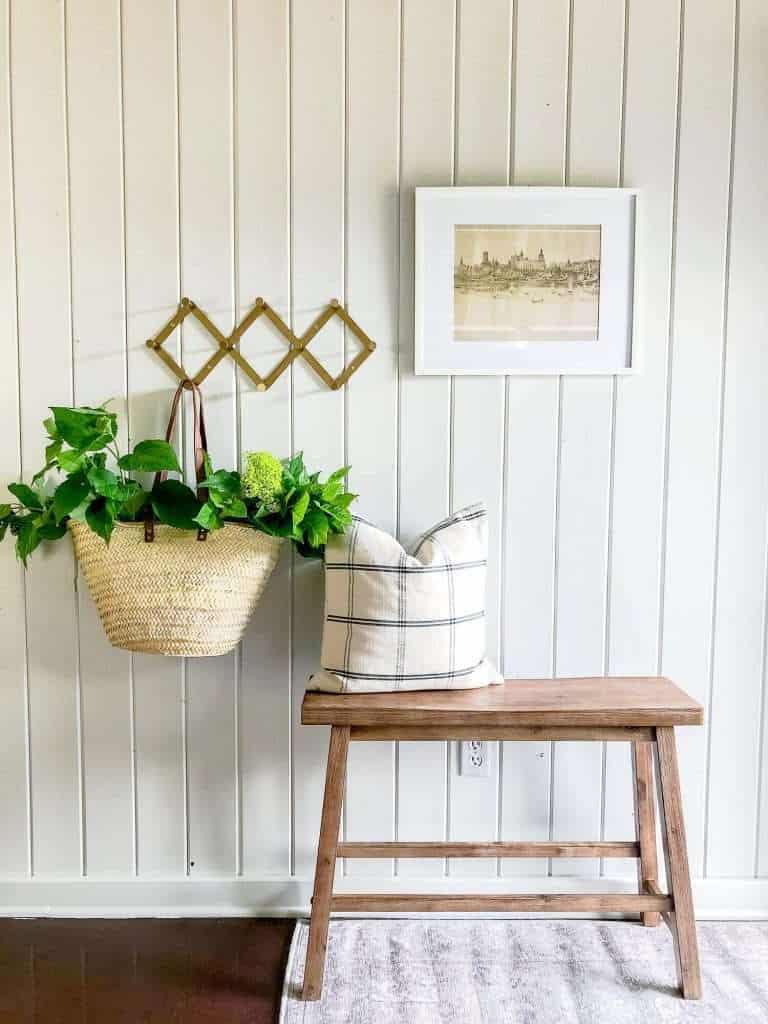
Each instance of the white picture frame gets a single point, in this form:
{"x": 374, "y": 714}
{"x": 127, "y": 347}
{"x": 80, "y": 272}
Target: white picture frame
{"x": 490, "y": 301}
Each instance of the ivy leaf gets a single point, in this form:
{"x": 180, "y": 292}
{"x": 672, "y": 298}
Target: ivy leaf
{"x": 78, "y": 513}
{"x": 28, "y": 498}
{"x": 83, "y": 428}
{"x": 175, "y": 504}
{"x": 104, "y": 482}
{"x": 151, "y": 457}
{"x": 5, "y": 511}
{"x": 71, "y": 461}
{"x": 236, "y": 509}
{"x": 208, "y": 517}
{"x": 100, "y": 516}
{"x": 331, "y": 490}
{"x": 52, "y": 450}
{"x": 51, "y": 530}
{"x": 296, "y": 470}
{"x": 27, "y": 539}
{"x": 223, "y": 483}
{"x": 300, "y": 508}
{"x": 132, "y": 500}
{"x": 69, "y": 495}
{"x": 316, "y": 528}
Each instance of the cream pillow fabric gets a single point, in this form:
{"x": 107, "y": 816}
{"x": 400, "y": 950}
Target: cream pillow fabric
{"x": 398, "y": 621}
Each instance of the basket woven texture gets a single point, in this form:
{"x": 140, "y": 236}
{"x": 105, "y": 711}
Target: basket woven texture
{"x": 178, "y": 595}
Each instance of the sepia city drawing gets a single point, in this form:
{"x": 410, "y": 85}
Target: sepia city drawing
{"x": 526, "y": 282}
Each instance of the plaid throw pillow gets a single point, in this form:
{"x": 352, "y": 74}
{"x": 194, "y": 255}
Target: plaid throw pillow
{"x": 398, "y": 621}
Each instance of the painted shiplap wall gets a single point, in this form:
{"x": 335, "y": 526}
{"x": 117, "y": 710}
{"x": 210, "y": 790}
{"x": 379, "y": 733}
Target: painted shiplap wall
{"x": 226, "y": 150}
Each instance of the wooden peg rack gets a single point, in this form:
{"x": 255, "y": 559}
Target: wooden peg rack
{"x": 297, "y": 345}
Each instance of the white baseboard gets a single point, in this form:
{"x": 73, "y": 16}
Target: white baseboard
{"x": 715, "y": 898}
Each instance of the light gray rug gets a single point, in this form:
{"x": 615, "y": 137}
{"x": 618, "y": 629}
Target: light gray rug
{"x": 526, "y": 972}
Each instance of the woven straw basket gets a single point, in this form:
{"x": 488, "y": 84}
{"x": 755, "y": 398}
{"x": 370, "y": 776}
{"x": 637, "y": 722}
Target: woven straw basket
{"x": 178, "y": 595}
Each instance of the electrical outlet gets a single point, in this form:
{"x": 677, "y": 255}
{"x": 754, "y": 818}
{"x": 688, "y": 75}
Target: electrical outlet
{"x": 475, "y": 759}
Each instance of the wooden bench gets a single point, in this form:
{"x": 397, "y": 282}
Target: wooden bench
{"x": 643, "y": 711}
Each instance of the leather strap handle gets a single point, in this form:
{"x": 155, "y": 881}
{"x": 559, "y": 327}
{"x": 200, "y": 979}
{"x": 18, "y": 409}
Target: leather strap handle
{"x": 201, "y": 450}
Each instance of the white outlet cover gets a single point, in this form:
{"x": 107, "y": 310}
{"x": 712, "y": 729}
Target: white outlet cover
{"x": 475, "y": 759}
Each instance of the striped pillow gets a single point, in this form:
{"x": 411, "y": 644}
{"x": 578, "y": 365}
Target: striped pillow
{"x": 395, "y": 621}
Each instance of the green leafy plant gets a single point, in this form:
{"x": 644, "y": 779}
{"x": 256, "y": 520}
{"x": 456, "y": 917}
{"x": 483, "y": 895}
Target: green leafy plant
{"x": 306, "y": 509}
{"x": 278, "y": 498}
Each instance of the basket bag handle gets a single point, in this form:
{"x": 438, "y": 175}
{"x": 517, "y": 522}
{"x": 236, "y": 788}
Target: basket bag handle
{"x": 201, "y": 450}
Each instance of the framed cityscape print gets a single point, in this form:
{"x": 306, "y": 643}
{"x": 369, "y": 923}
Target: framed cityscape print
{"x": 524, "y": 280}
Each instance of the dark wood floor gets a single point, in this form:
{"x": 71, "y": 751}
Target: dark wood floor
{"x": 105, "y": 972}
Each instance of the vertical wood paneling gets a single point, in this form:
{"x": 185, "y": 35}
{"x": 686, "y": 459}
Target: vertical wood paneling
{"x": 533, "y": 423}
{"x": 628, "y": 517}
{"x": 373, "y": 45}
{"x": 96, "y": 218}
{"x": 152, "y": 269}
{"x": 740, "y": 610}
{"x": 482, "y": 158}
{"x": 45, "y": 375}
{"x": 13, "y": 700}
{"x": 641, "y": 399}
{"x": 318, "y": 214}
{"x": 263, "y": 268}
{"x": 696, "y": 383}
{"x": 583, "y": 521}
{"x": 593, "y": 158}
{"x": 426, "y": 157}
{"x": 206, "y": 177}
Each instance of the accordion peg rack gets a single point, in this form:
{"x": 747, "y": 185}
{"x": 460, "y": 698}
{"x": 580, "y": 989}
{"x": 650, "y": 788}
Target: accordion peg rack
{"x": 298, "y": 345}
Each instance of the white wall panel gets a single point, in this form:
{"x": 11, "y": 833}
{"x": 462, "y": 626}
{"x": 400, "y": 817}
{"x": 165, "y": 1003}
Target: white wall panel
{"x": 696, "y": 382}
{"x": 484, "y": 67}
{"x": 207, "y": 276}
{"x": 426, "y": 156}
{"x": 262, "y": 227}
{"x": 93, "y": 35}
{"x": 587, "y": 406}
{"x": 740, "y": 596}
{"x": 45, "y": 376}
{"x": 150, "y": 150}
{"x": 585, "y": 444}
{"x": 14, "y": 854}
{"x": 638, "y": 465}
{"x": 540, "y": 94}
{"x": 318, "y": 216}
{"x": 373, "y": 45}
{"x": 152, "y": 271}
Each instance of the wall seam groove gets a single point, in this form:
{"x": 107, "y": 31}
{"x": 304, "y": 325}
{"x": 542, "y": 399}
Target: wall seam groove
{"x": 124, "y": 257}
{"x": 555, "y": 574}
{"x": 398, "y": 367}
{"x": 761, "y": 760}
{"x": 289, "y": 11}
{"x": 76, "y": 603}
{"x": 672, "y": 293}
{"x": 344, "y": 247}
{"x": 454, "y": 141}
{"x": 503, "y": 504}
{"x": 568, "y": 90}
{"x": 612, "y": 442}
{"x": 565, "y": 171}
{"x": 20, "y": 451}
{"x": 237, "y": 664}
{"x": 182, "y": 447}
{"x": 720, "y": 435}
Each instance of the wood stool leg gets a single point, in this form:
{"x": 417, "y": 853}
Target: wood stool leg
{"x": 645, "y": 818}
{"x": 335, "y": 774}
{"x": 676, "y": 854}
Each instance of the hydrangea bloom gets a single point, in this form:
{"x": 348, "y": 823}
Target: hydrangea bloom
{"x": 263, "y": 476}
